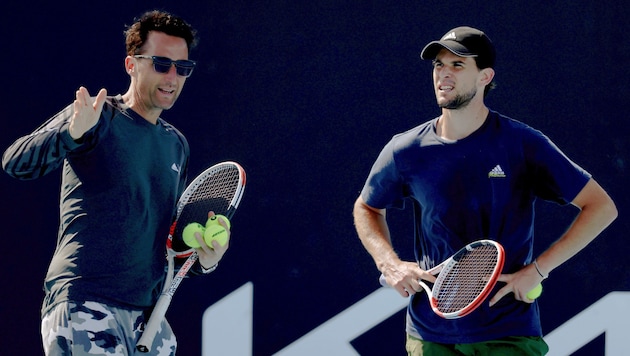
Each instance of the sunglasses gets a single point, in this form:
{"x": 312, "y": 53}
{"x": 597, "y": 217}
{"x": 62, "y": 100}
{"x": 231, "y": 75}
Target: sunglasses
{"x": 183, "y": 67}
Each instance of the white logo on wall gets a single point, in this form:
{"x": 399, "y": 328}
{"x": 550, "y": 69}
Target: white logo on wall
{"x": 227, "y": 326}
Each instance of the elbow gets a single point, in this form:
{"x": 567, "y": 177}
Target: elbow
{"x": 9, "y": 165}
{"x": 605, "y": 210}
{"x": 610, "y": 210}
{"x": 594, "y": 200}
{"x": 16, "y": 173}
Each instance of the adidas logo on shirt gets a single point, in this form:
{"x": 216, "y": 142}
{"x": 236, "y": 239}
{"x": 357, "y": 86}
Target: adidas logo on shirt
{"x": 496, "y": 172}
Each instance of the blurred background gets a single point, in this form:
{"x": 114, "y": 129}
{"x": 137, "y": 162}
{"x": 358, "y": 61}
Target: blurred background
{"x": 304, "y": 94}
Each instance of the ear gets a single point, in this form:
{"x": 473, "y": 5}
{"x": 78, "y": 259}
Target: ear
{"x": 130, "y": 65}
{"x": 485, "y": 76}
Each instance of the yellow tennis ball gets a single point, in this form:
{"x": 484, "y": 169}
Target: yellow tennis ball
{"x": 215, "y": 220}
{"x": 188, "y": 235}
{"x": 535, "y": 293}
{"x": 215, "y": 231}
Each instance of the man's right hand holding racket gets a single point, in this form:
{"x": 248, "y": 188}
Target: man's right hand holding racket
{"x": 404, "y": 277}
{"x": 461, "y": 283}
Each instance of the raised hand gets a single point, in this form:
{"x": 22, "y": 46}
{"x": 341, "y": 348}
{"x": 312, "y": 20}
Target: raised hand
{"x": 87, "y": 111}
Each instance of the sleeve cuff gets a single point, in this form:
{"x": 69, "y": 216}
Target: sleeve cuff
{"x": 208, "y": 270}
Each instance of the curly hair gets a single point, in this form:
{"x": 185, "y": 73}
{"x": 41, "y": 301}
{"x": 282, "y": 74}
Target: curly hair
{"x": 162, "y": 21}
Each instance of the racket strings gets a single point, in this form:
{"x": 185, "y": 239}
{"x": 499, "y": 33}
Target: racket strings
{"x": 466, "y": 279}
{"x": 214, "y": 191}
{"x": 222, "y": 184}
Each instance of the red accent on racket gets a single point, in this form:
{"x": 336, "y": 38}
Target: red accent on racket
{"x": 218, "y": 189}
{"x": 465, "y": 279}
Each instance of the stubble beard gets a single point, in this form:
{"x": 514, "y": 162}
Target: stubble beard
{"x": 460, "y": 101}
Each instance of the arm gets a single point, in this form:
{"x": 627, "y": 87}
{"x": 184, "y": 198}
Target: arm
{"x": 597, "y": 211}
{"x": 374, "y": 234}
{"x": 41, "y": 152}
{"x": 44, "y": 150}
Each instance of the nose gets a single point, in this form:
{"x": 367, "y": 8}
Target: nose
{"x": 172, "y": 71}
{"x": 443, "y": 72}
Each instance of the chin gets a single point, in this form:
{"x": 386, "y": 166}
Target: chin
{"x": 165, "y": 106}
{"x": 443, "y": 103}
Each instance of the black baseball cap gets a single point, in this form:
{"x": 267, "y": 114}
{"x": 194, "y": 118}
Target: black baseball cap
{"x": 465, "y": 42}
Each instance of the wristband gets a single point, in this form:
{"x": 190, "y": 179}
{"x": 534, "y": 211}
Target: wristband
{"x": 208, "y": 270}
{"x": 538, "y": 270}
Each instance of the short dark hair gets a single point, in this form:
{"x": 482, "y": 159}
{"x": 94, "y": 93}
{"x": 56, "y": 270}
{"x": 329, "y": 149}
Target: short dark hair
{"x": 162, "y": 21}
{"x": 490, "y": 85}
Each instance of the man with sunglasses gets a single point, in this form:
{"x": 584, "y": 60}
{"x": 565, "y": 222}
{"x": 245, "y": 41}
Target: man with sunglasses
{"x": 123, "y": 170}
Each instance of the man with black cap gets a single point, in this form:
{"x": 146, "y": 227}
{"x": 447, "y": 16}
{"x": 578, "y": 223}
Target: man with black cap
{"x": 472, "y": 173}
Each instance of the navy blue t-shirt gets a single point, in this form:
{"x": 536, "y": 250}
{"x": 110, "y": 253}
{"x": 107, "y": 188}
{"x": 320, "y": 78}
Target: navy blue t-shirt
{"x": 482, "y": 186}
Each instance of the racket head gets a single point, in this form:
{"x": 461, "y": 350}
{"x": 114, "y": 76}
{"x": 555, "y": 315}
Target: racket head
{"x": 467, "y": 278}
{"x": 219, "y": 189}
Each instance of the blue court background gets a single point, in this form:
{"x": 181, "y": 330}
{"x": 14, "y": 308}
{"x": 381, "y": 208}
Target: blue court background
{"x": 304, "y": 94}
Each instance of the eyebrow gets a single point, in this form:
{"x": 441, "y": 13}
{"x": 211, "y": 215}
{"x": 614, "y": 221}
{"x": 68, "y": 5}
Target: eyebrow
{"x": 452, "y": 62}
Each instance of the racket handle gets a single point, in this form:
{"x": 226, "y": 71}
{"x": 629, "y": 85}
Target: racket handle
{"x": 170, "y": 271}
{"x": 152, "y": 326}
{"x": 383, "y": 283}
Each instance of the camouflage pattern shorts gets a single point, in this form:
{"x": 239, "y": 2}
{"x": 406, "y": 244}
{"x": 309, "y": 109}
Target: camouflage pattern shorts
{"x": 90, "y": 328}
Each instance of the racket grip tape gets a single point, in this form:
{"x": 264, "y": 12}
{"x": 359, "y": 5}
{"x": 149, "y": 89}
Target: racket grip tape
{"x": 153, "y": 325}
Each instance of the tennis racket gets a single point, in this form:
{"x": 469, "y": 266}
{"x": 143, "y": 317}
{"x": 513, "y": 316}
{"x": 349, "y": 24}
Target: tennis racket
{"x": 219, "y": 189}
{"x": 465, "y": 279}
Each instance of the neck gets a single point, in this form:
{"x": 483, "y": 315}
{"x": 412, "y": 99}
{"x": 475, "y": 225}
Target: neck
{"x": 459, "y": 123}
{"x": 134, "y": 103}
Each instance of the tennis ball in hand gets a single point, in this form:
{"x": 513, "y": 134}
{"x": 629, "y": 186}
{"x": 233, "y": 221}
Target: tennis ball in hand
{"x": 188, "y": 235}
{"x": 535, "y": 293}
{"x": 215, "y": 231}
